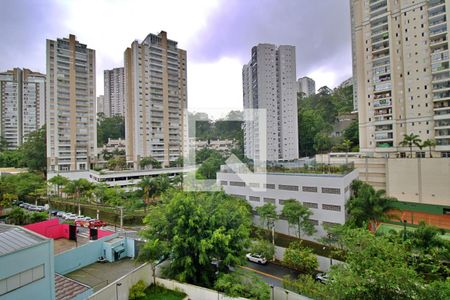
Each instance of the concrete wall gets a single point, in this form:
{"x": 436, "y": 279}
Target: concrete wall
{"x": 419, "y": 180}
{"x": 145, "y": 273}
{"x": 416, "y": 180}
{"x": 25, "y": 259}
{"x": 81, "y": 256}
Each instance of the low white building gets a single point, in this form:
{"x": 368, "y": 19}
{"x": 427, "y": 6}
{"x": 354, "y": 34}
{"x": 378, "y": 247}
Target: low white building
{"x": 325, "y": 194}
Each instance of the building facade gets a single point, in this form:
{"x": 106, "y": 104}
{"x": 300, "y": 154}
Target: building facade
{"x": 22, "y": 104}
{"x": 325, "y": 194}
{"x": 401, "y": 72}
{"x": 27, "y": 270}
{"x": 71, "y": 105}
{"x": 269, "y": 83}
{"x": 100, "y": 104}
{"x": 306, "y": 86}
{"x": 156, "y": 99}
{"x": 114, "y": 92}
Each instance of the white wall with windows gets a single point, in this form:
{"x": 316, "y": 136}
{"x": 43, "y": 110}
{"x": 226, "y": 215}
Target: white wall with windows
{"x": 325, "y": 194}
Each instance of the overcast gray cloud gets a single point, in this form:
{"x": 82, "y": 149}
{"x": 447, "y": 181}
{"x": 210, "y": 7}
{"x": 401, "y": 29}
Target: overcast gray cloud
{"x": 217, "y": 34}
{"x": 24, "y": 27}
{"x": 320, "y": 29}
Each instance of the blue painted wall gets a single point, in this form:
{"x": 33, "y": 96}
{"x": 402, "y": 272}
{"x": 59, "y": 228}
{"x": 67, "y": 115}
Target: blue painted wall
{"x": 80, "y": 257}
{"x": 25, "y": 259}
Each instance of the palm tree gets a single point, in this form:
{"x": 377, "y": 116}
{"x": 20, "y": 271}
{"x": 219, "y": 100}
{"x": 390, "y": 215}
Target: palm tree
{"x": 59, "y": 181}
{"x": 368, "y": 205}
{"x": 409, "y": 140}
{"x": 429, "y": 143}
{"x": 347, "y": 144}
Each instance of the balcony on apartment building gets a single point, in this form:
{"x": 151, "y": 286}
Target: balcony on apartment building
{"x": 440, "y": 67}
{"x": 438, "y": 31}
{"x": 442, "y": 124}
{"x": 441, "y": 96}
{"x": 434, "y": 4}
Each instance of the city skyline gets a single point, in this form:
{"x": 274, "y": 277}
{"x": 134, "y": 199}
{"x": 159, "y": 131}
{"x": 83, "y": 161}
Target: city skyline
{"x": 221, "y": 51}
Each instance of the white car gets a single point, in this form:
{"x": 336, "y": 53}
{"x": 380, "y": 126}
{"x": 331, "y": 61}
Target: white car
{"x": 256, "y": 258}
{"x": 70, "y": 216}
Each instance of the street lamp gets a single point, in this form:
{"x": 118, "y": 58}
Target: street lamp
{"x": 117, "y": 290}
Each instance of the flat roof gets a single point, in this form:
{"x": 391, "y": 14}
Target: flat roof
{"x": 15, "y": 238}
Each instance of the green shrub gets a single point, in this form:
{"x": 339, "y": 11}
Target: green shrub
{"x": 137, "y": 290}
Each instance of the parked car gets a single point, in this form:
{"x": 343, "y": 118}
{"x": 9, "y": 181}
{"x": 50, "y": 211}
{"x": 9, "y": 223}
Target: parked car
{"x": 69, "y": 216}
{"x": 97, "y": 223}
{"x": 256, "y": 258}
{"x": 322, "y": 278}
{"x": 60, "y": 214}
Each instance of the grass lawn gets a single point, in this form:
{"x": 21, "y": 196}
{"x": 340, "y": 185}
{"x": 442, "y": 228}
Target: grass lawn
{"x": 156, "y": 292}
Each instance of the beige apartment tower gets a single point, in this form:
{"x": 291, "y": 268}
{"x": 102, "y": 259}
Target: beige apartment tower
{"x": 71, "y": 101}
{"x": 401, "y": 73}
{"x": 22, "y": 105}
{"x": 156, "y": 98}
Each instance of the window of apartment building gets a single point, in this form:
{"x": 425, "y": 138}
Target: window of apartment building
{"x": 314, "y": 222}
{"x": 237, "y": 183}
{"x": 310, "y": 205}
{"x": 239, "y": 196}
{"x": 288, "y": 187}
{"x": 21, "y": 279}
{"x": 309, "y": 189}
{"x": 445, "y": 154}
{"x": 325, "y": 223}
{"x": 253, "y": 184}
{"x": 269, "y": 200}
{"x": 223, "y": 182}
{"x": 254, "y": 198}
{"x": 331, "y": 207}
{"x": 420, "y": 154}
{"x": 331, "y": 190}
{"x": 269, "y": 186}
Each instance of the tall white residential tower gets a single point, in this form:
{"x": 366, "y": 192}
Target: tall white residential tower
{"x": 269, "y": 82}
{"x": 307, "y": 86}
{"x": 114, "y": 92}
{"x": 22, "y": 104}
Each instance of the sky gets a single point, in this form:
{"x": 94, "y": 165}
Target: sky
{"x": 217, "y": 34}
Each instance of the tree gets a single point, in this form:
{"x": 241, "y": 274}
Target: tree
{"x": 195, "y": 230}
{"x": 79, "y": 188}
{"x": 59, "y": 181}
{"x": 300, "y": 258}
{"x": 153, "y": 186}
{"x": 429, "y": 143}
{"x": 346, "y": 144}
{"x": 298, "y": 215}
{"x": 17, "y": 216}
{"x": 34, "y": 151}
{"x": 351, "y": 133}
{"x": 268, "y": 215}
{"x": 375, "y": 268}
{"x": 368, "y": 205}
{"x": 263, "y": 247}
{"x": 117, "y": 163}
{"x": 243, "y": 284}
{"x": 322, "y": 142}
{"x": 209, "y": 168}
{"x": 409, "y": 140}
{"x": 149, "y": 161}
{"x": 113, "y": 127}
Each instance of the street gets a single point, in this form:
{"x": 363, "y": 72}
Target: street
{"x": 271, "y": 273}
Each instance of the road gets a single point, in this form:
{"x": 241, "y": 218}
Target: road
{"x": 272, "y": 274}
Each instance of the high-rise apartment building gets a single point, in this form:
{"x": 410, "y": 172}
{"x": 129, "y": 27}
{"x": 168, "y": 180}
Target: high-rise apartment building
{"x": 401, "y": 72}
{"x": 22, "y": 104}
{"x": 269, "y": 82}
{"x": 307, "y": 86}
{"x": 114, "y": 92}
{"x": 71, "y": 101}
{"x": 156, "y": 98}
{"x": 100, "y": 104}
